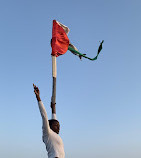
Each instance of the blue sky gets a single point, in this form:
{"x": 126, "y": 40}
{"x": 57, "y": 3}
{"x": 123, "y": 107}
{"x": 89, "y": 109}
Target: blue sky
{"x": 98, "y": 103}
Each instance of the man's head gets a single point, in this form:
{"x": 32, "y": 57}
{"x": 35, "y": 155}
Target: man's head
{"x": 54, "y": 125}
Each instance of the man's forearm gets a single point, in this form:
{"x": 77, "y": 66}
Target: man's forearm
{"x": 53, "y": 107}
{"x": 53, "y": 111}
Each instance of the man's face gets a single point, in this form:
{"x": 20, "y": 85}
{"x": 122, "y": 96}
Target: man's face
{"x": 55, "y": 127}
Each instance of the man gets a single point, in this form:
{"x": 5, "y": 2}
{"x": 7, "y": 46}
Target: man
{"x": 51, "y": 128}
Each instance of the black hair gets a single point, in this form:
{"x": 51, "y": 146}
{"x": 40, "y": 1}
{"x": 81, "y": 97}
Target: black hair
{"x": 52, "y": 121}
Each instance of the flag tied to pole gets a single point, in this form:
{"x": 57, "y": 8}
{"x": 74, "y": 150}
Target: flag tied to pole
{"x": 60, "y": 42}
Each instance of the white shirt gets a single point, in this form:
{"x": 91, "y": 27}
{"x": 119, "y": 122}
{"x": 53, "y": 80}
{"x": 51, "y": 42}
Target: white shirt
{"x": 52, "y": 140}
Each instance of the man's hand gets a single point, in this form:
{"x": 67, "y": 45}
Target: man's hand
{"x": 37, "y": 92}
{"x": 53, "y": 107}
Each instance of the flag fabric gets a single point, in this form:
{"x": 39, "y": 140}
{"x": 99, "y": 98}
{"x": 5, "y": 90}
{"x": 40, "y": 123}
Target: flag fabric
{"x": 100, "y": 48}
{"x": 75, "y": 51}
{"x": 60, "y": 40}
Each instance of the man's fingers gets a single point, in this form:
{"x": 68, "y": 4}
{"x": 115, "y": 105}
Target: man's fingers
{"x": 34, "y": 85}
{"x": 36, "y": 90}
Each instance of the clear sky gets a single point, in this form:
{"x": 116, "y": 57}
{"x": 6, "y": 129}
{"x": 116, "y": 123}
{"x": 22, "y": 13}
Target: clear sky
{"x": 98, "y": 103}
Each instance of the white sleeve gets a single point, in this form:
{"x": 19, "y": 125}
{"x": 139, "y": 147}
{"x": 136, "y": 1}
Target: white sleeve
{"x": 46, "y": 127}
{"x": 54, "y": 116}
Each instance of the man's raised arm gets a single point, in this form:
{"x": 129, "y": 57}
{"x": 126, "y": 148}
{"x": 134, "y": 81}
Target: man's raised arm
{"x": 46, "y": 127}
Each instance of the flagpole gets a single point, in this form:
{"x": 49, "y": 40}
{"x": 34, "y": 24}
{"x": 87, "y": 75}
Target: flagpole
{"x": 54, "y": 75}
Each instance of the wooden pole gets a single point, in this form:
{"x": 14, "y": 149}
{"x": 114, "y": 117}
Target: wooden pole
{"x": 54, "y": 75}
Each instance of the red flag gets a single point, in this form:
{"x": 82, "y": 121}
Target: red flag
{"x": 60, "y": 40}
